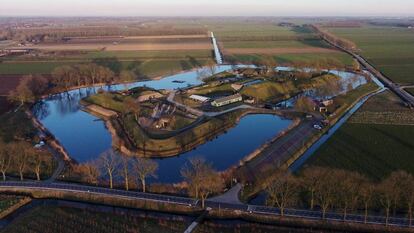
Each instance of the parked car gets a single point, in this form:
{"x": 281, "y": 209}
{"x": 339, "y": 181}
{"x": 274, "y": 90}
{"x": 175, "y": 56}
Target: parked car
{"x": 318, "y": 127}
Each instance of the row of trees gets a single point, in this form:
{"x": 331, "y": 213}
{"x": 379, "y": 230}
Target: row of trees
{"x": 200, "y": 177}
{"x": 346, "y": 191}
{"x": 31, "y": 87}
{"x": 21, "y": 158}
{"x": 336, "y": 40}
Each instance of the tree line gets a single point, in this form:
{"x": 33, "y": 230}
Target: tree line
{"x": 32, "y": 87}
{"x": 22, "y": 159}
{"x": 336, "y": 40}
{"x": 345, "y": 191}
{"x": 114, "y": 169}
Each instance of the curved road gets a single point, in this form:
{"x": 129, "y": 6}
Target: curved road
{"x": 304, "y": 214}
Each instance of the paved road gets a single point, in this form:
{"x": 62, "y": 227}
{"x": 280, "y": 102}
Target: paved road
{"x": 304, "y": 214}
{"x": 404, "y": 95}
{"x": 231, "y": 196}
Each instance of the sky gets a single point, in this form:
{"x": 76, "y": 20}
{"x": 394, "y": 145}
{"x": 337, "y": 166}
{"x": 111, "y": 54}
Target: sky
{"x": 394, "y": 8}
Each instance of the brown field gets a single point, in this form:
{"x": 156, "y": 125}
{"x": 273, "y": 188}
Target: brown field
{"x": 125, "y": 47}
{"x": 278, "y": 50}
{"x": 8, "y": 83}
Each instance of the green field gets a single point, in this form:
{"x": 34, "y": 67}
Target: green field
{"x": 371, "y": 149}
{"x": 390, "y": 49}
{"x": 376, "y": 140}
{"x": 7, "y": 201}
{"x": 147, "y": 68}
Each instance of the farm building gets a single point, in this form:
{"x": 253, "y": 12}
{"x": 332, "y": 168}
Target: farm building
{"x": 148, "y": 95}
{"x": 227, "y": 100}
{"x": 199, "y": 98}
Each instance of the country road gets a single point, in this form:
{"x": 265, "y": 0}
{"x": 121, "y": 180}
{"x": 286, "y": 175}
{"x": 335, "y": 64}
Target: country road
{"x": 190, "y": 202}
{"x": 404, "y": 95}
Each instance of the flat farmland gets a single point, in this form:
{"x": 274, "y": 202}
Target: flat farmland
{"x": 151, "y": 56}
{"x": 195, "y": 42}
{"x": 376, "y": 141}
{"x": 247, "y": 41}
{"x": 393, "y": 54}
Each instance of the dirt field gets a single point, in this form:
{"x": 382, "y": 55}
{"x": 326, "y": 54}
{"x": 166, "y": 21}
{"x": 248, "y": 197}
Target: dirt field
{"x": 278, "y": 50}
{"x": 125, "y": 47}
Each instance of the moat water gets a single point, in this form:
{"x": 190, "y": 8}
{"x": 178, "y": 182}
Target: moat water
{"x": 85, "y": 136}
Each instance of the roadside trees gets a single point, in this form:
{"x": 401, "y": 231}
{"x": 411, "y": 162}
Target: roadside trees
{"x": 38, "y": 161}
{"x": 109, "y": 162}
{"x": 202, "y": 179}
{"x": 282, "y": 192}
{"x": 407, "y": 187}
{"x": 326, "y": 190}
{"x": 348, "y": 190}
{"x": 5, "y": 159}
{"x": 386, "y": 196}
{"x": 311, "y": 179}
{"x": 125, "y": 168}
{"x": 22, "y": 152}
{"x": 367, "y": 190}
{"x": 145, "y": 168}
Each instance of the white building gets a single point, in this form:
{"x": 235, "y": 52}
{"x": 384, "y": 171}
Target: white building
{"x": 227, "y": 100}
{"x": 199, "y": 98}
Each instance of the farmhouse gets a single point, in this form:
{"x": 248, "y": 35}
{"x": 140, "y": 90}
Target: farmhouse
{"x": 199, "y": 98}
{"x": 227, "y": 100}
{"x": 322, "y": 106}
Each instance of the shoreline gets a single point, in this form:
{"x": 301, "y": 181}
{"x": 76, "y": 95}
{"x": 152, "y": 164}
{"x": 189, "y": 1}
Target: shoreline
{"x": 125, "y": 146}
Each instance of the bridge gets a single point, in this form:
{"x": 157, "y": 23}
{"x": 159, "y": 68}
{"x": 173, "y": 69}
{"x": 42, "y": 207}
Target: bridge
{"x": 217, "y": 53}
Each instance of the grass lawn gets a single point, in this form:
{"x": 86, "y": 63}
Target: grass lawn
{"x": 393, "y": 54}
{"x": 371, "y": 149}
{"x": 7, "y": 201}
{"x": 66, "y": 219}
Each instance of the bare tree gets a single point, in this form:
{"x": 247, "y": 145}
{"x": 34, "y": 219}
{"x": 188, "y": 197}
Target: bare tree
{"x": 282, "y": 192}
{"x": 133, "y": 107}
{"x": 407, "y": 185}
{"x": 5, "y": 159}
{"x": 192, "y": 174}
{"x": 347, "y": 190}
{"x": 22, "y": 153}
{"x": 145, "y": 168}
{"x": 311, "y": 180}
{"x": 211, "y": 66}
{"x": 305, "y": 104}
{"x": 367, "y": 190}
{"x": 109, "y": 161}
{"x": 386, "y": 196}
{"x": 125, "y": 169}
{"x": 38, "y": 161}
{"x": 212, "y": 183}
{"x": 202, "y": 179}
{"x": 326, "y": 190}
{"x": 22, "y": 93}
